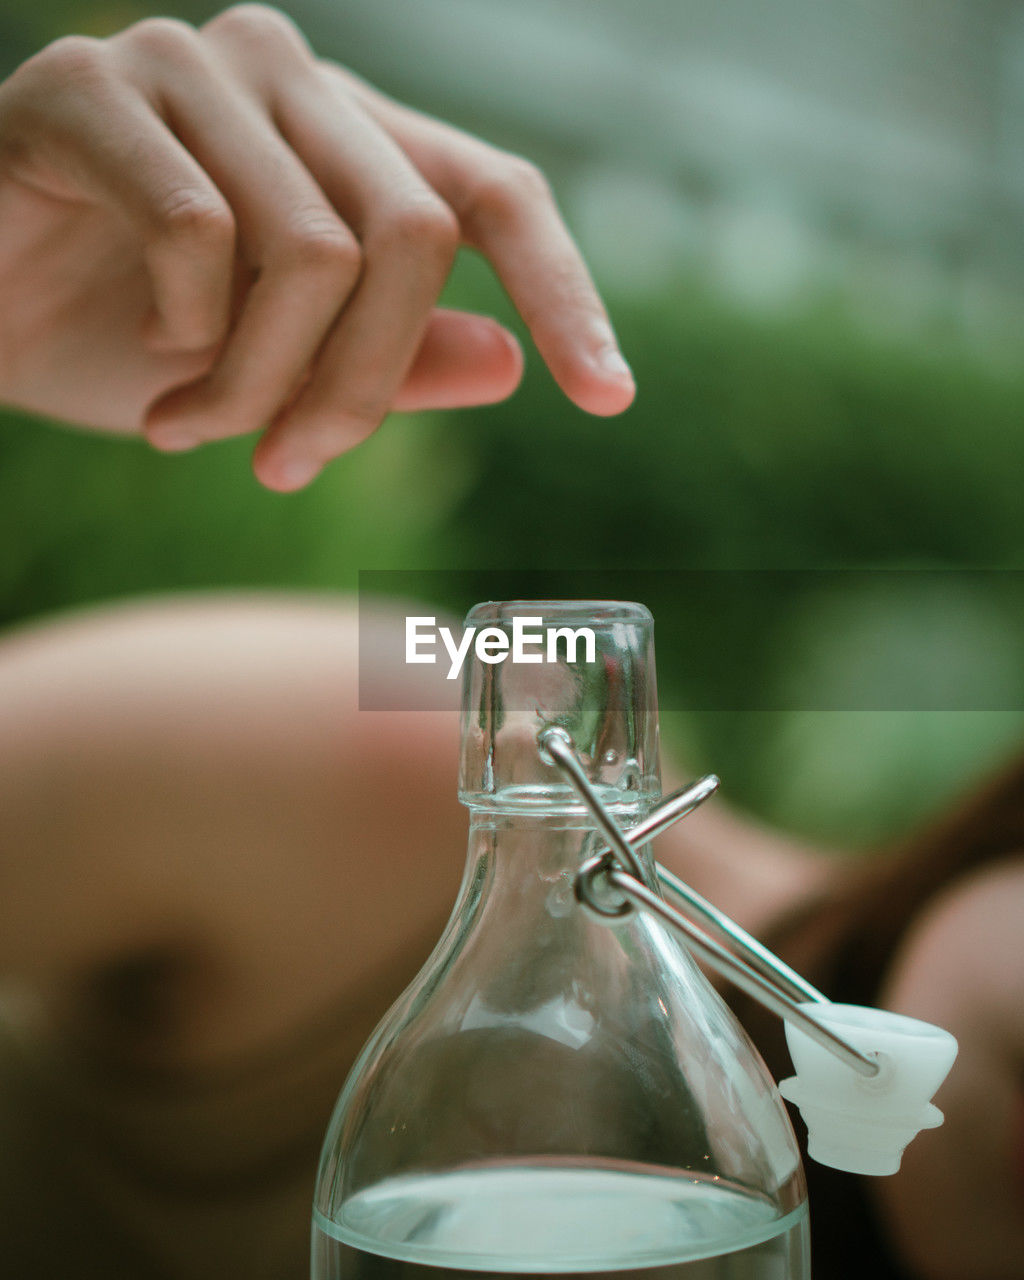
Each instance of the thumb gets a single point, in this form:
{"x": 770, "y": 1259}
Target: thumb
{"x": 464, "y": 359}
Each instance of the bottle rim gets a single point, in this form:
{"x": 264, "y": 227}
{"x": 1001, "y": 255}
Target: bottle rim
{"x": 593, "y": 612}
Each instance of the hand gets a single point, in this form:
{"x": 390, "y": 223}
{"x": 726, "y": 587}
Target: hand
{"x": 209, "y": 232}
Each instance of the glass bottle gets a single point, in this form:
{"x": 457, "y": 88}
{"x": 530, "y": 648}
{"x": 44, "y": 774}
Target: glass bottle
{"x": 555, "y": 1093}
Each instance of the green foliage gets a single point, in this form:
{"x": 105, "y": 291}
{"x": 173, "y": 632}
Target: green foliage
{"x": 84, "y": 519}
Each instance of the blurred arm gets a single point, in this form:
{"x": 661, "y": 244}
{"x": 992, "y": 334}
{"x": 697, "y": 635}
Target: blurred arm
{"x": 752, "y": 872}
{"x": 195, "y": 783}
{"x": 956, "y": 1208}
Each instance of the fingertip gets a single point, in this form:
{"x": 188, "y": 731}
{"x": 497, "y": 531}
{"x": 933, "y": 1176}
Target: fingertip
{"x": 172, "y": 439}
{"x": 189, "y": 415}
{"x": 465, "y": 360}
{"x": 504, "y": 340}
{"x": 603, "y": 386}
{"x": 284, "y": 473}
{"x": 607, "y": 399}
{"x": 514, "y": 352}
{"x": 501, "y": 355}
{"x": 165, "y": 431}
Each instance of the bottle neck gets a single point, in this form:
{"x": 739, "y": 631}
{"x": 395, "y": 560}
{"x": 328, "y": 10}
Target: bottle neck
{"x": 518, "y": 916}
{"x": 534, "y": 856}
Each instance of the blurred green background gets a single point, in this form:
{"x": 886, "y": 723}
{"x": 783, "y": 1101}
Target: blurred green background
{"x": 811, "y": 249}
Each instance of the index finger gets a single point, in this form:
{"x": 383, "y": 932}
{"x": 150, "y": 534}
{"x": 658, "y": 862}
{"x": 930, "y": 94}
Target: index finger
{"x": 506, "y": 210}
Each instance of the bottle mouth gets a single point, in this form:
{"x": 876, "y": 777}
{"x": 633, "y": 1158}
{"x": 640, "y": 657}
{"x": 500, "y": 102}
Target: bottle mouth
{"x": 597, "y": 613}
{"x": 585, "y": 666}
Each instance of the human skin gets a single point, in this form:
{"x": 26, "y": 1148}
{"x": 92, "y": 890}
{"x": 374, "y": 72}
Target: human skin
{"x": 206, "y": 233}
{"x": 957, "y": 1206}
{"x": 195, "y": 780}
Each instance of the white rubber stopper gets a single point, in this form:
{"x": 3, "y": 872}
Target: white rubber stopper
{"x": 858, "y": 1123}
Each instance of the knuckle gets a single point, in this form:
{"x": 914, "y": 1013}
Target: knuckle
{"x": 259, "y": 23}
{"x": 165, "y": 39}
{"x": 526, "y": 177}
{"x": 195, "y": 216}
{"x": 500, "y": 190}
{"x": 72, "y": 60}
{"x": 45, "y": 96}
{"x": 426, "y": 226}
{"x": 322, "y": 244}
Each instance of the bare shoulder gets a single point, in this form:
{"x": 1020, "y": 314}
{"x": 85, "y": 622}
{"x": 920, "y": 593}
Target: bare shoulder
{"x": 964, "y": 956}
{"x": 195, "y": 779}
{"x": 955, "y": 1208}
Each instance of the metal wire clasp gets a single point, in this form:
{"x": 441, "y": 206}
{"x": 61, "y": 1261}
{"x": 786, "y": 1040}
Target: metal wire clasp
{"x": 612, "y": 883}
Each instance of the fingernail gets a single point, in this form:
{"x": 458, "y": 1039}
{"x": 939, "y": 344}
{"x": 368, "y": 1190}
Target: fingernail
{"x": 172, "y": 438}
{"x": 609, "y": 361}
{"x": 298, "y": 472}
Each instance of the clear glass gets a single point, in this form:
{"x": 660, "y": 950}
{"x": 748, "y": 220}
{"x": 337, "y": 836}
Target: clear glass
{"x": 553, "y": 1093}
{"x": 609, "y": 706}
